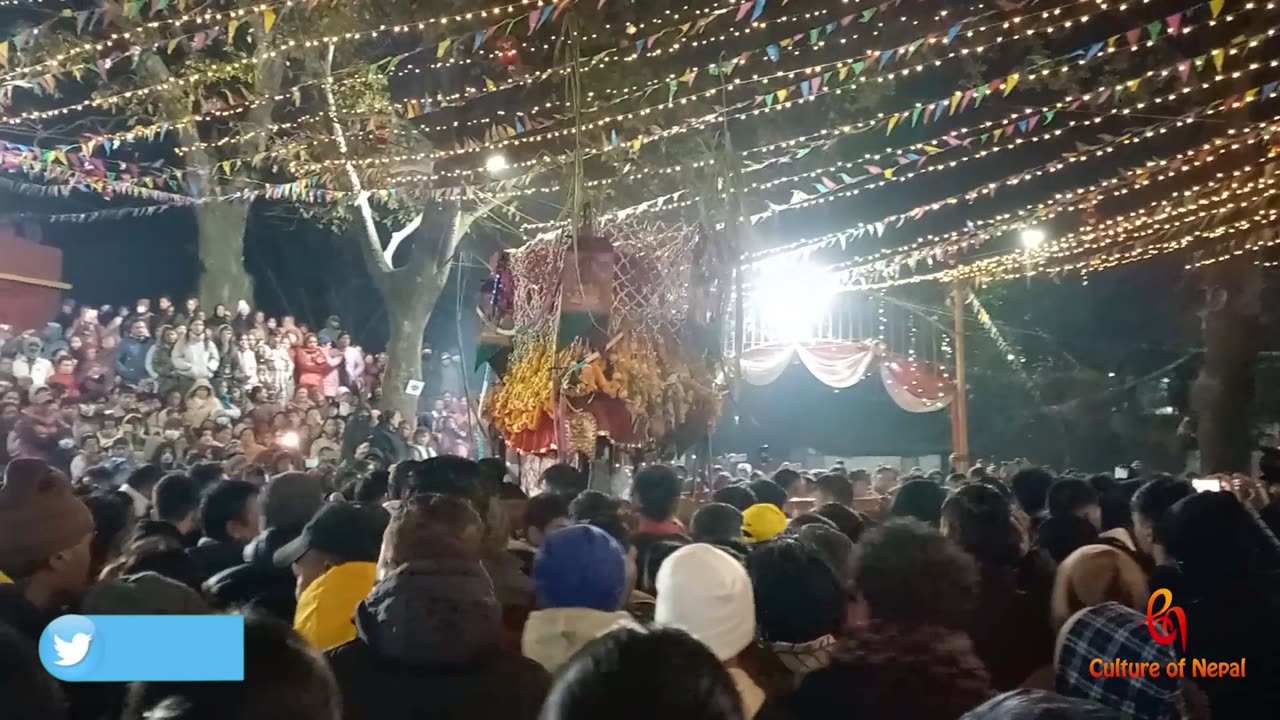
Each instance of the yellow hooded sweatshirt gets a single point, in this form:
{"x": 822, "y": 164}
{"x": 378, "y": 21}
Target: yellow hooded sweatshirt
{"x": 327, "y": 608}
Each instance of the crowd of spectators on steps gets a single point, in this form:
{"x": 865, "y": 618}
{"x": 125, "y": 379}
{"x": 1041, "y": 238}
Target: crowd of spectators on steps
{"x": 107, "y": 390}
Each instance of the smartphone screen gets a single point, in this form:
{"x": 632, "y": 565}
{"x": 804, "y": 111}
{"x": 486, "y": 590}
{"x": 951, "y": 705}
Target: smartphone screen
{"x": 1121, "y": 472}
{"x": 1206, "y": 485}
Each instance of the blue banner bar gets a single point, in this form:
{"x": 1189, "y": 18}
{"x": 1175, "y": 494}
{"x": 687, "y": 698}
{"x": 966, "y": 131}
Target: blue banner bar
{"x": 153, "y": 648}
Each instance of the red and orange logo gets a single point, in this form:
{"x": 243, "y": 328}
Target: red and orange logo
{"x": 1161, "y": 622}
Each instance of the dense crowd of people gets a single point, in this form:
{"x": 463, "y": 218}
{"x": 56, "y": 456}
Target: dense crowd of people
{"x": 108, "y": 390}
{"x": 437, "y": 588}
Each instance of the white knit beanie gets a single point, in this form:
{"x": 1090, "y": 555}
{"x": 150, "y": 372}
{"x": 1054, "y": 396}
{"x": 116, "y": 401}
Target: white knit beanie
{"x": 706, "y": 592}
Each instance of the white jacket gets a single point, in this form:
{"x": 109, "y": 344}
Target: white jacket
{"x": 248, "y": 360}
{"x": 552, "y": 636}
{"x": 39, "y": 370}
{"x": 196, "y": 360}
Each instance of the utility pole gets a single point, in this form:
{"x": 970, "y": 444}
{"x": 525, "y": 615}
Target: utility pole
{"x": 960, "y": 405}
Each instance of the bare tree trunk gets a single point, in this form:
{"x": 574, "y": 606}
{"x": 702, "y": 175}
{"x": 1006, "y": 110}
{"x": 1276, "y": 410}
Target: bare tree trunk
{"x": 409, "y": 307}
{"x": 1222, "y": 395}
{"x": 220, "y": 231}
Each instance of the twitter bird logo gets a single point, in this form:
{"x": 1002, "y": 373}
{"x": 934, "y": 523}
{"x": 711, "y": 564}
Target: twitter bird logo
{"x": 71, "y": 653}
{"x": 67, "y": 647}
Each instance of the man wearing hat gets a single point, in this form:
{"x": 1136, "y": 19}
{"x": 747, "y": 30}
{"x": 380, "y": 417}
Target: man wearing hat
{"x": 335, "y": 563}
{"x": 44, "y": 546}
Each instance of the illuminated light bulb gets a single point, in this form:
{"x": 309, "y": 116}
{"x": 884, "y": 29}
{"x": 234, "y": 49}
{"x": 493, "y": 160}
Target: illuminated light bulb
{"x": 1032, "y": 238}
{"x": 496, "y": 163}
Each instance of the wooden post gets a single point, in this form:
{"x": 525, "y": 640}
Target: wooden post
{"x": 960, "y": 405}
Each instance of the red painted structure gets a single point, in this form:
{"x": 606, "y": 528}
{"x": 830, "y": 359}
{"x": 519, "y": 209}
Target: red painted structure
{"x": 30, "y": 281}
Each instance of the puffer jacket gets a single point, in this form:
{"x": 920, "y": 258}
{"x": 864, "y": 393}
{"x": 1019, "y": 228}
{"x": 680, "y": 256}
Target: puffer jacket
{"x": 196, "y": 360}
{"x": 552, "y": 636}
{"x": 327, "y": 608}
{"x": 131, "y": 359}
{"x": 428, "y": 645}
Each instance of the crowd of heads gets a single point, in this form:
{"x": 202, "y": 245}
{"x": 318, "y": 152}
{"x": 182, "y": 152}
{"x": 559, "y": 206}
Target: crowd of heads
{"x": 439, "y": 586}
{"x": 102, "y": 391}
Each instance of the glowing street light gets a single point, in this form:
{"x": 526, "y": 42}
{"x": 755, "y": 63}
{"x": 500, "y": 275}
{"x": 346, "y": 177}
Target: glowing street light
{"x": 791, "y": 298}
{"x": 1032, "y": 238}
{"x": 496, "y": 163}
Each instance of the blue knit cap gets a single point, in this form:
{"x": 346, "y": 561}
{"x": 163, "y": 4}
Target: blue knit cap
{"x": 580, "y": 566}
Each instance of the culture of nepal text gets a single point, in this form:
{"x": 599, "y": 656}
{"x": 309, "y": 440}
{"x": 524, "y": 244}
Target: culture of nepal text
{"x": 1099, "y": 668}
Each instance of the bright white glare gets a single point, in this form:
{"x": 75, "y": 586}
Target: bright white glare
{"x": 791, "y": 298}
{"x": 496, "y": 163}
{"x": 1032, "y": 238}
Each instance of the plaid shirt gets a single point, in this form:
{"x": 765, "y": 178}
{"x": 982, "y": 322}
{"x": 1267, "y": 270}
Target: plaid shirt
{"x": 1111, "y": 631}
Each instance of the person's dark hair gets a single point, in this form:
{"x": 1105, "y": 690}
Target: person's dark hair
{"x": 175, "y": 498}
{"x": 1031, "y": 489}
{"x": 204, "y": 474}
{"x": 657, "y": 492}
{"x": 798, "y": 598}
{"x": 806, "y": 519}
{"x": 542, "y": 509}
{"x": 284, "y": 677}
{"x": 787, "y": 479}
{"x": 112, "y": 516}
{"x": 768, "y": 491}
{"x": 1069, "y": 496}
{"x": 29, "y": 691}
{"x": 630, "y": 663}
{"x": 564, "y": 479}
{"x": 716, "y": 523}
{"x": 493, "y": 474}
{"x": 159, "y": 555}
{"x": 838, "y": 487}
{"x": 957, "y": 479}
{"x": 979, "y": 521}
{"x": 173, "y": 449}
{"x": 739, "y": 496}
{"x": 144, "y": 478}
{"x": 1061, "y": 535}
{"x": 373, "y": 487}
{"x": 1153, "y": 500}
{"x": 846, "y": 520}
{"x": 911, "y": 576}
{"x": 99, "y": 476}
{"x": 1221, "y": 547}
{"x": 450, "y": 475}
{"x": 399, "y": 479}
{"x": 223, "y": 502}
{"x": 602, "y": 511}
{"x": 919, "y": 499}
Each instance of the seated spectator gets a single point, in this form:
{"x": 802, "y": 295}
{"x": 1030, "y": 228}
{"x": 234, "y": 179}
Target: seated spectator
{"x": 916, "y": 593}
{"x": 739, "y": 496}
{"x": 706, "y": 592}
{"x": 284, "y": 678}
{"x": 581, "y": 580}
{"x": 428, "y": 635}
{"x": 683, "y": 678}
{"x": 176, "y": 512}
{"x": 919, "y": 499}
{"x": 768, "y": 491}
{"x": 800, "y": 606}
{"x": 763, "y": 522}
{"x": 46, "y": 539}
{"x": 230, "y": 519}
{"x": 335, "y": 562}
{"x": 720, "y": 525}
{"x": 834, "y": 488}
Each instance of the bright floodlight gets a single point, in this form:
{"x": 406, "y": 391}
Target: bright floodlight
{"x": 1032, "y": 238}
{"x": 496, "y": 163}
{"x": 790, "y": 298}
